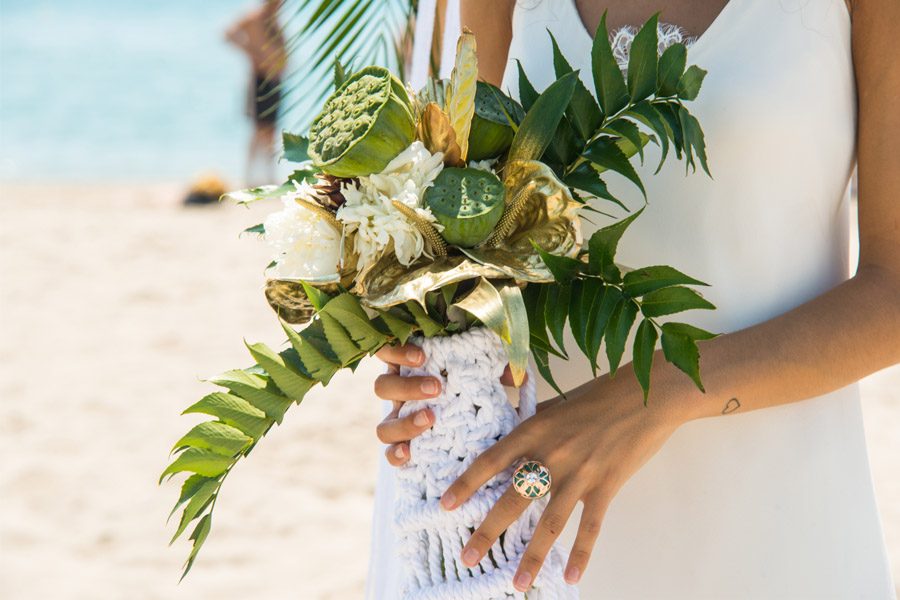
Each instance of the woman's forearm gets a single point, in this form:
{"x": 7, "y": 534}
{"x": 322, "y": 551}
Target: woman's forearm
{"x": 821, "y": 346}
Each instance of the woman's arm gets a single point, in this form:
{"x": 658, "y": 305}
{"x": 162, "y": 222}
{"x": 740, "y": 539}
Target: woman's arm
{"x": 491, "y": 22}
{"x": 601, "y": 435}
{"x": 854, "y": 329}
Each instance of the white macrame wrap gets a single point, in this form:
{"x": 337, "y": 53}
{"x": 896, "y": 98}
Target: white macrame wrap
{"x": 471, "y": 414}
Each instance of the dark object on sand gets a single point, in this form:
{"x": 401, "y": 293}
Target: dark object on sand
{"x": 205, "y": 190}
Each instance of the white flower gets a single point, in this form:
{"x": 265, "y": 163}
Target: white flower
{"x": 305, "y": 245}
{"x": 369, "y": 214}
{"x": 483, "y": 165}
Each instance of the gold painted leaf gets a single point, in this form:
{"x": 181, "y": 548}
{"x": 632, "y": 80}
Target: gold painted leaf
{"x": 539, "y": 209}
{"x": 461, "y": 92}
{"x": 517, "y": 346}
{"x": 521, "y": 267}
{"x": 436, "y": 132}
{"x": 485, "y": 304}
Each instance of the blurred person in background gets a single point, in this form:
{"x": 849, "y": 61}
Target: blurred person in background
{"x": 260, "y": 36}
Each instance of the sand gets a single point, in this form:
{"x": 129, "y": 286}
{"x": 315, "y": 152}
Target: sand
{"x": 114, "y": 302}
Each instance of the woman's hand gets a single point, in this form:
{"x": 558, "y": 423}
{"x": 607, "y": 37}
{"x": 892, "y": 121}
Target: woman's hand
{"x": 592, "y": 442}
{"x": 397, "y": 432}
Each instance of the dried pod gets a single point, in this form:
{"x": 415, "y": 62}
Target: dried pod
{"x": 437, "y": 134}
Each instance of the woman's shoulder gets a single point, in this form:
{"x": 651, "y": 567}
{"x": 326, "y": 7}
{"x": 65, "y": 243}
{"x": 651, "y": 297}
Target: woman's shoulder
{"x": 491, "y": 22}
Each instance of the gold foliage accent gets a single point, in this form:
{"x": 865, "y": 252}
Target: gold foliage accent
{"x": 437, "y": 247}
{"x": 461, "y": 92}
{"x": 436, "y": 132}
{"x": 321, "y": 211}
{"x": 539, "y": 209}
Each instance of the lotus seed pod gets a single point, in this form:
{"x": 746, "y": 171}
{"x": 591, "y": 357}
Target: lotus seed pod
{"x": 491, "y": 132}
{"x": 364, "y": 125}
{"x": 467, "y": 202}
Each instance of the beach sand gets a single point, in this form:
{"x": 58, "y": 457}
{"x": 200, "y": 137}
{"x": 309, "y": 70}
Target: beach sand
{"x": 114, "y": 303}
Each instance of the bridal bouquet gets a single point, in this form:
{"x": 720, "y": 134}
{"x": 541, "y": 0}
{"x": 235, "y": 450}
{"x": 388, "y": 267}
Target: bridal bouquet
{"x": 433, "y": 213}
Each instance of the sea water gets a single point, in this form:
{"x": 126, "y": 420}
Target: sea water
{"x": 121, "y": 90}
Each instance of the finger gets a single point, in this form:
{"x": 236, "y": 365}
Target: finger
{"x": 408, "y": 355}
{"x": 397, "y": 454}
{"x": 395, "y": 387}
{"x": 588, "y": 530}
{"x": 486, "y": 465}
{"x": 391, "y": 431}
{"x": 551, "y": 524}
{"x": 507, "y": 509}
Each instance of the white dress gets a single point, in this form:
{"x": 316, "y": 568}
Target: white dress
{"x": 776, "y": 503}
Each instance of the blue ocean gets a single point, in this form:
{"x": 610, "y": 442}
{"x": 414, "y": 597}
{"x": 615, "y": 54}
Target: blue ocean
{"x": 112, "y": 90}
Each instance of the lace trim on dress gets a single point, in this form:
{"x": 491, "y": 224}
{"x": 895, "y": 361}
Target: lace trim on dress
{"x": 669, "y": 34}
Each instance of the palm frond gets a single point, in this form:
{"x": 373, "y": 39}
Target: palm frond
{"x": 354, "y": 32}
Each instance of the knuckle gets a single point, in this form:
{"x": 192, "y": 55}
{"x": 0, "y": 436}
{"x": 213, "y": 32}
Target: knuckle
{"x": 552, "y": 523}
{"x": 481, "y": 540}
{"x": 580, "y": 556}
{"x": 532, "y": 561}
{"x": 381, "y": 432}
{"x": 381, "y": 386}
{"x": 591, "y": 527}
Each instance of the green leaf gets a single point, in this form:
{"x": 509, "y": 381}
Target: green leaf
{"x": 346, "y": 309}
{"x": 535, "y": 298}
{"x": 649, "y": 279}
{"x": 563, "y": 268}
{"x": 671, "y": 67}
{"x": 583, "y": 111}
{"x": 556, "y": 312}
{"x": 629, "y": 131}
{"x": 316, "y": 296}
{"x": 197, "y": 460}
{"x": 233, "y": 411}
{"x": 679, "y": 343}
{"x": 339, "y": 340}
{"x": 602, "y": 249}
{"x": 295, "y": 147}
{"x": 645, "y": 113}
{"x": 258, "y": 229}
{"x": 603, "y": 306}
{"x": 617, "y": 332}
{"x": 605, "y": 152}
{"x": 642, "y": 61}
{"x": 642, "y": 357}
{"x": 198, "y": 536}
{"x": 539, "y": 125}
{"x": 218, "y": 437}
{"x": 399, "y": 328}
{"x": 527, "y": 94}
{"x": 429, "y": 327}
{"x": 190, "y": 487}
{"x": 690, "y": 82}
{"x": 291, "y": 382}
{"x": 608, "y": 80}
{"x": 340, "y": 74}
{"x": 542, "y": 362}
{"x": 671, "y": 300}
{"x": 318, "y": 359}
{"x": 578, "y": 314}
{"x": 259, "y": 391}
{"x": 584, "y": 177}
{"x": 669, "y": 112}
{"x": 694, "y": 139}
{"x": 198, "y": 502}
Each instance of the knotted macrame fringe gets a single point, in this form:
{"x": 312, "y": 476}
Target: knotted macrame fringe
{"x": 471, "y": 414}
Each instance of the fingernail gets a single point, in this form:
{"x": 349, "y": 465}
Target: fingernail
{"x": 398, "y": 452}
{"x": 414, "y": 355}
{"x": 522, "y": 581}
{"x": 470, "y": 557}
{"x": 448, "y": 500}
{"x": 421, "y": 419}
{"x": 573, "y": 574}
{"x": 430, "y": 386}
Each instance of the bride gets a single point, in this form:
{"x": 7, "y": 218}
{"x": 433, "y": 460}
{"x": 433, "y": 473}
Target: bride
{"x": 759, "y": 487}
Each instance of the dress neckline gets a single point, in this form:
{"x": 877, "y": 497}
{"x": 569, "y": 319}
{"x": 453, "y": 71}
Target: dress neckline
{"x": 573, "y": 6}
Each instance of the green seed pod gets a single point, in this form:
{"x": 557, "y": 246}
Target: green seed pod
{"x": 364, "y": 125}
{"x": 491, "y": 133}
{"x": 467, "y": 202}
